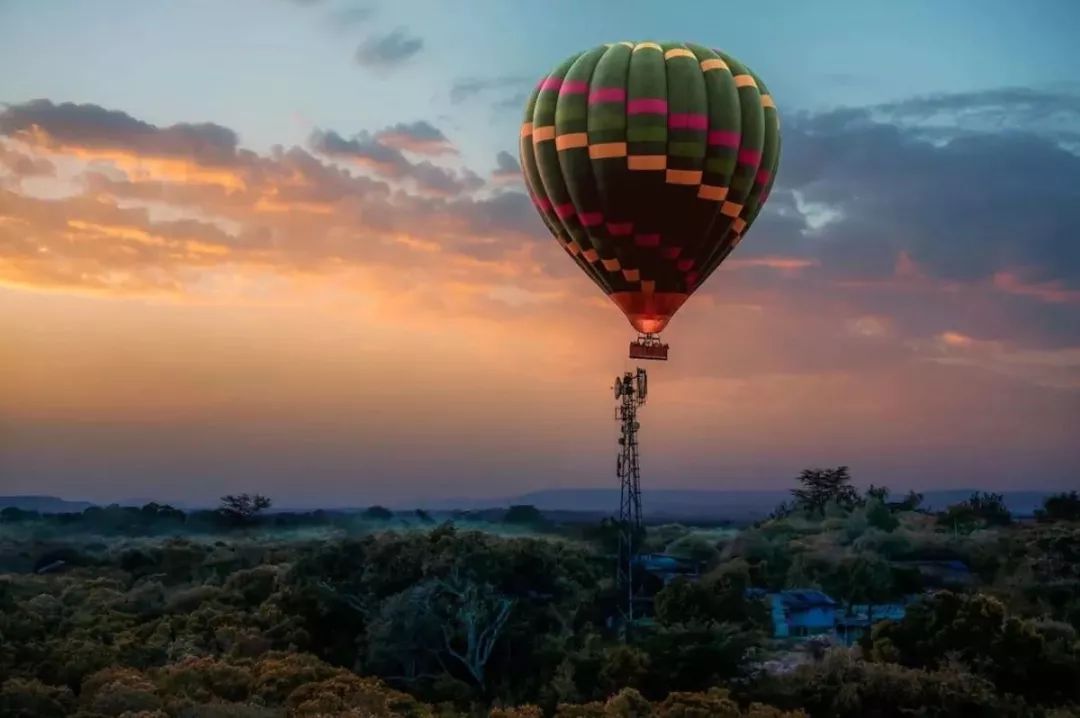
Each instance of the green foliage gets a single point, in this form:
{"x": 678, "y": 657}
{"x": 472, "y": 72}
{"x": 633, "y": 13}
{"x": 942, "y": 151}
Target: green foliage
{"x": 982, "y": 509}
{"x": 720, "y": 597}
{"x": 879, "y": 516}
{"x": 30, "y": 698}
{"x": 695, "y": 547}
{"x": 1060, "y": 507}
{"x": 378, "y": 513}
{"x": 325, "y": 615}
{"x": 1018, "y": 655}
{"x": 847, "y": 687}
{"x": 523, "y": 514}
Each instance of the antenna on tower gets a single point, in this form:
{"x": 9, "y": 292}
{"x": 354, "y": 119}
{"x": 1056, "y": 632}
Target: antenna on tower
{"x": 630, "y": 390}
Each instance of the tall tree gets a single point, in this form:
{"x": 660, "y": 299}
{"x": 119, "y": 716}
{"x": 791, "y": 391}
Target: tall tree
{"x": 243, "y": 508}
{"x": 821, "y": 486}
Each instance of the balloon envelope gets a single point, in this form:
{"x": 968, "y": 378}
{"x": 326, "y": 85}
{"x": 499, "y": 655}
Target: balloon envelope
{"x": 649, "y": 162}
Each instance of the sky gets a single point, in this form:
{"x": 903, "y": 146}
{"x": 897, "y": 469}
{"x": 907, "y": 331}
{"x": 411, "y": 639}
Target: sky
{"x": 283, "y": 246}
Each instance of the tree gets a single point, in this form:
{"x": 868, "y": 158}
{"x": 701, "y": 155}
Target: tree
{"x": 879, "y": 516}
{"x": 13, "y": 514}
{"x": 982, "y": 509}
{"x": 881, "y": 493}
{"x": 911, "y": 502}
{"x": 1060, "y": 507}
{"x": 473, "y": 616}
{"x": 820, "y": 486}
{"x": 523, "y": 514}
{"x": 990, "y": 508}
{"x": 243, "y": 508}
{"x": 378, "y": 513}
{"x": 1028, "y": 658}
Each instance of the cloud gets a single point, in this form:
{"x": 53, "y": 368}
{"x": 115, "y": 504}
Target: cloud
{"x": 1055, "y": 114}
{"x": 507, "y": 169}
{"x": 69, "y": 126}
{"x": 387, "y": 160}
{"x": 963, "y": 210}
{"x": 855, "y": 227}
{"x": 1052, "y": 368}
{"x": 20, "y": 164}
{"x": 468, "y": 87}
{"x": 432, "y": 179}
{"x": 347, "y": 18}
{"x": 363, "y": 150}
{"x": 388, "y": 50}
{"x": 420, "y": 137}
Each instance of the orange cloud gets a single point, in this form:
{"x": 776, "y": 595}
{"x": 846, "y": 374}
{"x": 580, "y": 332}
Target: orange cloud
{"x": 783, "y": 264}
{"x": 1052, "y": 292}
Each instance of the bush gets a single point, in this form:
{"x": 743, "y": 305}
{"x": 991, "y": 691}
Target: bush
{"x": 115, "y": 691}
{"x": 30, "y": 698}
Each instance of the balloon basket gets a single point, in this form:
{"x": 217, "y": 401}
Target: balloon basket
{"x": 648, "y": 346}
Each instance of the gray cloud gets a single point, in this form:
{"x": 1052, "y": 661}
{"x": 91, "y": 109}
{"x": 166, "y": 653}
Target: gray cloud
{"x": 963, "y": 209}
{"x": 420, "y": 137}
{"x": 387, "y": 50}
{"x": 1050, "y": 114}
{"x": 507, "y": 168}
{"x": 368, "y": 150}
{"x": 363, "y": 149}
{"x": 468, "y": 87}
{"x": 94, "y": 127}
{"x": 349, "y": 17}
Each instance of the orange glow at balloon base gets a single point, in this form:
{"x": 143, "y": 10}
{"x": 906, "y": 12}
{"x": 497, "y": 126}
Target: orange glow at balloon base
{"x": 649, "y": 312}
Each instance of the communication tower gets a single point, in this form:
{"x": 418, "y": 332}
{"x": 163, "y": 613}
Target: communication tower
{"x": 631, "y": 390}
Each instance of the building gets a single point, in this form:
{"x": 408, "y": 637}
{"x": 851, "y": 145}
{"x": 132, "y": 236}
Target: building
{"x": 802, "y": 612}
{"x": 806, "y": 612}
{"x": 666, "y": 567}
{"x": 853, "y": 623}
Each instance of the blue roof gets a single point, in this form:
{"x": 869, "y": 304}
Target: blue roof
{"x": 804, "y": 598}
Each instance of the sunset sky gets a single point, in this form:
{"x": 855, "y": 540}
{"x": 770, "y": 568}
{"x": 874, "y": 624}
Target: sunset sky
{"x": 283, "y": 246}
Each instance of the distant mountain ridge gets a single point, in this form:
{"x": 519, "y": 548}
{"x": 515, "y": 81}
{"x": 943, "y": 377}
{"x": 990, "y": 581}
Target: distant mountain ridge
{"x": 44, "y": 504}
{"x": 707, "y": 503}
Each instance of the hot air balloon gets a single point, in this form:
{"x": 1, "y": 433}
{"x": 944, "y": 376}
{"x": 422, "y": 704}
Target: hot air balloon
{"x": 648, "y": 163}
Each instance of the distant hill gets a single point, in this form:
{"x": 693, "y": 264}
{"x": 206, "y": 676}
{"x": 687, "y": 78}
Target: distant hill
{"x": 44, "y": 504}
{"x": 658, "y": 504}
{"x": 704, "y": 503}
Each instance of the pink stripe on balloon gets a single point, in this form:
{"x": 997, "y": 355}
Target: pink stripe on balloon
{"x": 691, "y": 278}
{"x": 688, "y": 121}
{"x": 607, "y": 94}
{"x": 542, "y": 203}
{"x": 574, "y": 87}
{"x": 551, "y": 83}
{"x": 749, "y": 157}
{"x": 620, "y": 229}
{"x": 647, "y": 240}
{"x": 565, "y": 210}
{"x": 591, "y": 219}
{"x": 724, "y": 138}
{"x": 684, "y": 265}
{"x": 647, "y": 106}
{"x": 670, "y": 252}
{"x": 763, "y": 176}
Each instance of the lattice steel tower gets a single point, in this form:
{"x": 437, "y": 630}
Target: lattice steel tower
{"x": 630, "y": 390}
